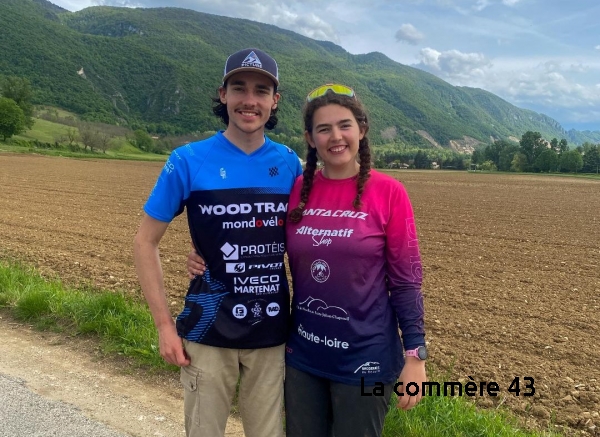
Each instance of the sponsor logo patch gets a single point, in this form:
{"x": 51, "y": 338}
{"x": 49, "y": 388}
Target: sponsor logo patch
{"x": 319, "y": 270}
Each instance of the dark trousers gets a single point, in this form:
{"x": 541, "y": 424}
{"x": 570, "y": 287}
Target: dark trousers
{"x": 318, "y": 407}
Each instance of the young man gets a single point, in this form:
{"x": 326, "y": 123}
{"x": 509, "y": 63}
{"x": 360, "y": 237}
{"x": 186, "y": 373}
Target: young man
{"x": 235, "y": 188}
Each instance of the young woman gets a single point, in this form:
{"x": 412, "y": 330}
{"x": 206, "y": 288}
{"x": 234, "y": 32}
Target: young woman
{"x": 356, "y": 269}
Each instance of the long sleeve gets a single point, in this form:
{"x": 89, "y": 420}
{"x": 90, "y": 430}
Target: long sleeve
{"x": 404, "y": 270}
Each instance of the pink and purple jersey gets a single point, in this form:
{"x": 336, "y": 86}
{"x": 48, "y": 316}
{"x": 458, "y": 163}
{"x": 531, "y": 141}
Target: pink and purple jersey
{"x": 356, "y": 280}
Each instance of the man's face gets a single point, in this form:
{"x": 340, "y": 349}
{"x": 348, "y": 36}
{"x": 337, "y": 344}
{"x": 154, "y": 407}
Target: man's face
{"x": 249, "y": 97}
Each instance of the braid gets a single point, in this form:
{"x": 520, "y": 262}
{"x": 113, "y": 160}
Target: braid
{"x": 364, "y": 153}
{"x": 308, "y": 177}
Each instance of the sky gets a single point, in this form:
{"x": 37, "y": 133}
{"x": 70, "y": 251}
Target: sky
{"x": 542, "y": 55}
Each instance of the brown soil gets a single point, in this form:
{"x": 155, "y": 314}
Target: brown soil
{"x": 511, "y": 267}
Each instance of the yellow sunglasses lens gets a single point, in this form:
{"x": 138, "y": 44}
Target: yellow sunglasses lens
{"x": 341, "y": 90}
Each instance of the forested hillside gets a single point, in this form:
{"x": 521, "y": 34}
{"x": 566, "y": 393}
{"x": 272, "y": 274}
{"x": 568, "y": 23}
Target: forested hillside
{"x": 158, "y": 68}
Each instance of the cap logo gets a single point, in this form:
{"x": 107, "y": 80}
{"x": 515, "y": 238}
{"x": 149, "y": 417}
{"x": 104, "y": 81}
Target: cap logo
{"x": 252, "y": 61}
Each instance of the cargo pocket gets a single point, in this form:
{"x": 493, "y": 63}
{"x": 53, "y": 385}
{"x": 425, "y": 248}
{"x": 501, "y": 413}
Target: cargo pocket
{"x": 190, "y": 376}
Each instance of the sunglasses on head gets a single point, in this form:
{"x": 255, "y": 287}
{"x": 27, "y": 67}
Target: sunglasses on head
{"x": 335, "y": 88}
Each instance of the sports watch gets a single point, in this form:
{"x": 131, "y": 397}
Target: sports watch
{"x": 419, "y": 353}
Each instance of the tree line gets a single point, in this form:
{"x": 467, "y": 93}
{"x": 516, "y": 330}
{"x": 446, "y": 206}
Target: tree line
{"x": 535, "y": 154}
{"x": 531, "y": 154}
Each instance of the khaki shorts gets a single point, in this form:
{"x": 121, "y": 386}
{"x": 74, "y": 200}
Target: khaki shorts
{"x": 209, "y": 386}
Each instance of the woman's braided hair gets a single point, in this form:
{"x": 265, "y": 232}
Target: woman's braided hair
{"x": 364, "y": 152}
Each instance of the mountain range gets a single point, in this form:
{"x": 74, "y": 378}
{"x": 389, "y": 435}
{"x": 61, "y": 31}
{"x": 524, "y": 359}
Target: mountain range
{"x": 158, "y": 68}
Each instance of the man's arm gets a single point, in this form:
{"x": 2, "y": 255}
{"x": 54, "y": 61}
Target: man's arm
{"x": 149, "y": 271}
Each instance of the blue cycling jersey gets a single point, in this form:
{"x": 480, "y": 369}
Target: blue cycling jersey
{"x": 236, "y": 206}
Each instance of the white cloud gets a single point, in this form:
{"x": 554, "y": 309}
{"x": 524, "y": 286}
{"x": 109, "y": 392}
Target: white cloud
{"x": 306, "y": 24}
{"x": 73, "y": 5}
{"x": 460, "y": 6}
{"x": 430, "y": 59}
{"x": 588, "y": 116}
{"x": 597, "y": 47}
{"x": 481, "y": 5}
{"x": 121, "y": 3}
{"x": 408, "y": 33}
{"x": 552, "y": 84}
{"x": 296, "y": 15}
{"x": 456, "y": 67}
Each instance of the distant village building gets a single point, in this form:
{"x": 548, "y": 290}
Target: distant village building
{"x": 398, "y": 164}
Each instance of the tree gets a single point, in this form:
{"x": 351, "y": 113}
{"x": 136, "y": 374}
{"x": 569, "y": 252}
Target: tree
{"x": 559, "y": 147}
{"x": 563, "y": 146}
{"x": 12, "y": 119}
{"x": 478, "y": 156}
{"x": 506, "y": 156}
{"x": 532, "y": 145}
{"x": 571, "y": 161}
{"x": 421, "y": 160}
{"x": 141, "y": 140}
{"x": 19, "y": 90}
{"x": 494, "y": 150}
{"x": 104, "y": 141}
{"x": 591, "y": 159}
{"x": 72, "y": 135}
{"x": 547, "y": 161}
{"x": 488, "y": 166}
{"x": 519, "y": 162}
{"x": 163, "y": 146}
{"x": 458, "y": 162}
{"x": 90, "y": 137}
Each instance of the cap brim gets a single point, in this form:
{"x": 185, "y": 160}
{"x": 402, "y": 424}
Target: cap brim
{"x": 252, "y": 69}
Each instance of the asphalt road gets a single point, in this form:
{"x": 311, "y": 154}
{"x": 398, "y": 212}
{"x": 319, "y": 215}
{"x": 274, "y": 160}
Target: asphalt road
{"x": 58, "y": 385}
{"x": 24, "y": 413}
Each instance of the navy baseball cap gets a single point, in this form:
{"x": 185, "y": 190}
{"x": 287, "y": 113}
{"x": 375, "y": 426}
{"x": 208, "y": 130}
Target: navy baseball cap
{"x": 251, "y": 60}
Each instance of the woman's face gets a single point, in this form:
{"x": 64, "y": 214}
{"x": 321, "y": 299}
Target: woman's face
{"x": 336, "y": 135}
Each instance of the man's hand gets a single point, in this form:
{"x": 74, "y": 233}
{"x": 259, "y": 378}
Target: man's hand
{"x": 195, "y": 264}
{"x": 147, "y": 264}
{"x": 171, "y": 347}
{"x": 413, "y": 371}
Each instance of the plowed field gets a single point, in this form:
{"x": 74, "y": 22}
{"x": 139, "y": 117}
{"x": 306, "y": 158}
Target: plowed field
{"x": 511, "y": 266}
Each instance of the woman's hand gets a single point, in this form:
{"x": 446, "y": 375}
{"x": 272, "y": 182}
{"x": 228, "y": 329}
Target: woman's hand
{"x": 195, "y": 264}
{"x": 413, "y": 371}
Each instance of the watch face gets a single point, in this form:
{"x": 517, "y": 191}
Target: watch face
{"x": 422, "y": 351}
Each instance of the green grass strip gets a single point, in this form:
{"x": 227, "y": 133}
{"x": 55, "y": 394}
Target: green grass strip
{"x": 125, "y": 326}
{"x": 446, "y": 416}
